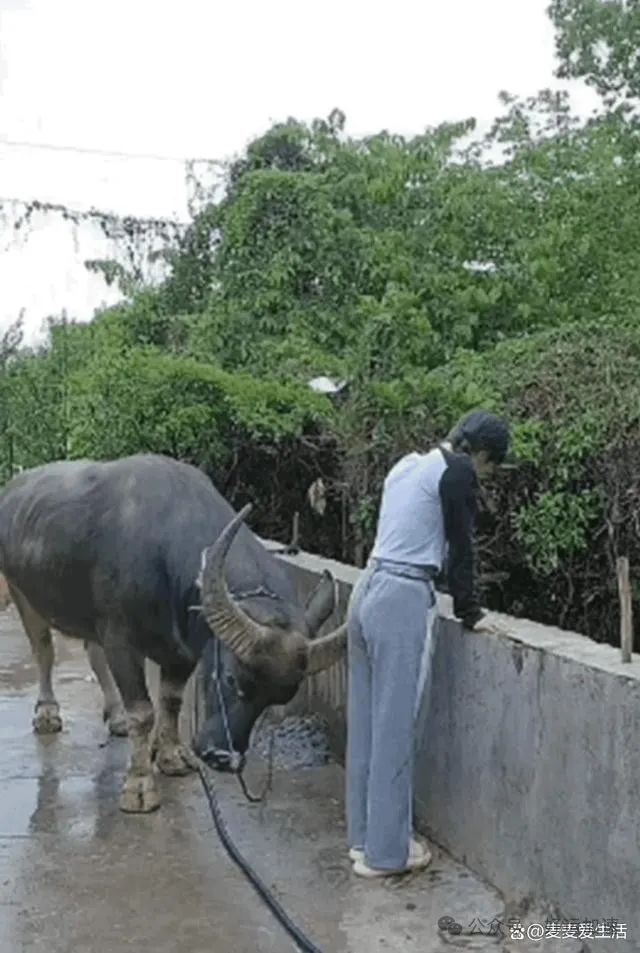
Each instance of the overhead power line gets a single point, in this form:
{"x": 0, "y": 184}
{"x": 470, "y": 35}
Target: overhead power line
{"x": 111, "y": 153}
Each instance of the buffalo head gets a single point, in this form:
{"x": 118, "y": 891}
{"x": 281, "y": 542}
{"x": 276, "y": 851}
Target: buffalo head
{"x": 265, "y": 647}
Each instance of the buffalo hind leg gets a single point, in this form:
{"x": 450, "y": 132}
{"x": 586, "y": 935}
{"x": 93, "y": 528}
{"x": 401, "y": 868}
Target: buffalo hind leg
{"x": 47, "y": 718}
{"x": 113, "y": 711}
{"x": 172, "y": 757}
{"x": 139, "y": 793}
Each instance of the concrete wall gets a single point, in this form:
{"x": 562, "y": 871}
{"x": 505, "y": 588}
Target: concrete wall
{"x": 528, "y": 769}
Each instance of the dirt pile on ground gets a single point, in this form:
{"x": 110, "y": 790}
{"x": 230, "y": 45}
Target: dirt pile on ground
{"x": 299, "y": 741}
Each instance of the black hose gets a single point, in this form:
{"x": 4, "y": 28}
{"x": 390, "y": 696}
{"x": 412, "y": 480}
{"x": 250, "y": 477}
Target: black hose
{"x": 302, "y": 941}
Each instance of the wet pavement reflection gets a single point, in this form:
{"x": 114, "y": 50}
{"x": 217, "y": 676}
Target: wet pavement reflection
{"x": 79, "y": 876}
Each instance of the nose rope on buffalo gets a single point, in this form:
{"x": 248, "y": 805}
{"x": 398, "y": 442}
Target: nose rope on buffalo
{"x": 235, "y": 758}
{"x": 235, "y": 765}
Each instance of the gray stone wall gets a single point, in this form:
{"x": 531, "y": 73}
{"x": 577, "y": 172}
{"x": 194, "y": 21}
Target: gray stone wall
{"x": 528, "y": 764}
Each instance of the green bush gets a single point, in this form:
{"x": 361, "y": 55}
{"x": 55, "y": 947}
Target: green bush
{"x": 89, "y": 394}
{"x": 144, "y": 400}
{"x": 556, "y": 522}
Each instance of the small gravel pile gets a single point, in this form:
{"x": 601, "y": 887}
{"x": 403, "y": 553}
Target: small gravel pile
{"x": 299, "y": 741}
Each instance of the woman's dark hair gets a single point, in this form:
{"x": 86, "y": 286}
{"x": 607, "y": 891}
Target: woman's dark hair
{"x": 481, "y": 430}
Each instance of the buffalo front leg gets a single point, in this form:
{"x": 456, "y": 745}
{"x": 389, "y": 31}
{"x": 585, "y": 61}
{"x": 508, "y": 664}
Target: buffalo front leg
{"x": 113, "y": 710}
{"x": 46, "y": 719}
{"x": 139, "y": 793}
{"x": 172, "y": 757}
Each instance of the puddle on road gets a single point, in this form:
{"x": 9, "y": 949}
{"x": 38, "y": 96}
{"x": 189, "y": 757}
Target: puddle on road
{"x": 72, "y": 806}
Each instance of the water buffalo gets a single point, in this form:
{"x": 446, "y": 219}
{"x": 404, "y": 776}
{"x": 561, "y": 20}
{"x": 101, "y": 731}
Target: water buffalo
{"x": 142, "y": 557}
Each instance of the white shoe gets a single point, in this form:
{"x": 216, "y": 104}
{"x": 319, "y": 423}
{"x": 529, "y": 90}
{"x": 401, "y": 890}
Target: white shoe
{"x": 357, "y": 853}
{"x": 419, "y": 858}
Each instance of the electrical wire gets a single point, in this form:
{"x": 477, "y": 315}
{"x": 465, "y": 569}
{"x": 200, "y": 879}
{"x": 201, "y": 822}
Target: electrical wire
{"x": 303, "y": 942}
{"x": 112, "y": 153}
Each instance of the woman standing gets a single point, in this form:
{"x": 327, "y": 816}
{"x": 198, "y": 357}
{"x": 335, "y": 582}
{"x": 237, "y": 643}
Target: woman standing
{"x": 427, "y": 518}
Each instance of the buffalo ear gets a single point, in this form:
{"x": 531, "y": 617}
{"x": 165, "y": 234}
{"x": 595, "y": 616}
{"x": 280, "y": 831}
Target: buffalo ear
{"x": 321, "y": 603}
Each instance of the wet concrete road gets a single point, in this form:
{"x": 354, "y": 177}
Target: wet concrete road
{"x": 79, "y": 876}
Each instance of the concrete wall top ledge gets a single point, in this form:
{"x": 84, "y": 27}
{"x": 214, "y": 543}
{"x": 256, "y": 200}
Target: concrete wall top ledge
{"x": 560, "y": 642}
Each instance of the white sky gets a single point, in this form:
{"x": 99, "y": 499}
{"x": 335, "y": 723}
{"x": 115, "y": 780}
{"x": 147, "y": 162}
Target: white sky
{"x": 203, "y": 77}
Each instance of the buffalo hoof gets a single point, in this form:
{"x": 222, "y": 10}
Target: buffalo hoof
{"x": 118, "y": 723}
{"x": 176, "y": 761}
{"x": 139, "y": 795}
{"x": 47, "y": 720}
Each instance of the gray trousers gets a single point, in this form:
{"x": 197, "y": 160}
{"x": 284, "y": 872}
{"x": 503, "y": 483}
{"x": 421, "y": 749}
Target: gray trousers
{"x": 389, "y": 625}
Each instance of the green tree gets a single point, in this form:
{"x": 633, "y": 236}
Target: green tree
{"x": 598, "y": 41}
